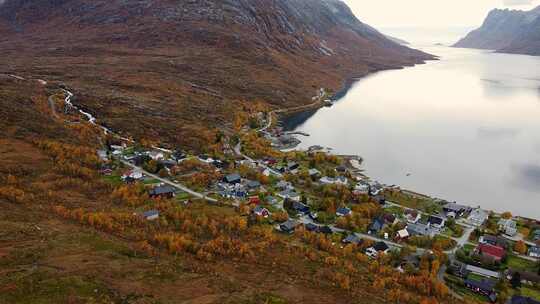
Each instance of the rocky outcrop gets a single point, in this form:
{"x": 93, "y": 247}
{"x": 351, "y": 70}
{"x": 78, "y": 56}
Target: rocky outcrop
{"x": 509, "y": 31}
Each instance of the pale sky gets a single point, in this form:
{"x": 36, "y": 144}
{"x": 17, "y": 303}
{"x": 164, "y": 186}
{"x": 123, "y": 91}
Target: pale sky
{"x": 430, "y": 13}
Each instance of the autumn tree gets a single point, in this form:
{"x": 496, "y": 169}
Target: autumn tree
{"x": 520, "y": 247}
{"x": 506, "y": 215}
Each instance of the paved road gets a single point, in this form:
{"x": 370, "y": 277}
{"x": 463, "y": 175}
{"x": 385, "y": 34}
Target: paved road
{"x": 168, "y": 182}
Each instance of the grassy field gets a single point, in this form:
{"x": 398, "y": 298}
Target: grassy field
{"x": 518, "y": 263}
{"x": 530, "y": 292}
{"x": 410, "y": 201}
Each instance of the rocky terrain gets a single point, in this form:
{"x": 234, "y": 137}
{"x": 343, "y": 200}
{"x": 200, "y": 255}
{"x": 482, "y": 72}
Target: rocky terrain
{"x": 174, "y": 66}
{"x": 507, "y": 31}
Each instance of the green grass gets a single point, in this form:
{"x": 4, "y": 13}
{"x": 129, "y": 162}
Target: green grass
{"x": 409, "y": 201}
{"x": 456, "y": 284}
{"x": 475, "y": 277}
{"x": 469, "y": 247}
{"x": 530, "y": 292}
{"x": 182, "y": 196}
{"x": 151, "y": 181}
{"x": 394, "y": 210}
{"x": 113, "y": 179}
{"x": 518, "y": 263}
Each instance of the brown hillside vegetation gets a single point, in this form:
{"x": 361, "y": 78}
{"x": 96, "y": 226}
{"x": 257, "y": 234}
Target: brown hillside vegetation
{"x": 166, "y": 68}
{"x": 67, "y": 236}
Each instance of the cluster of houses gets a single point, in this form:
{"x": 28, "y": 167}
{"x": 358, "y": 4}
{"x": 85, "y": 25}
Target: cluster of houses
{"x": 234, "y": 186}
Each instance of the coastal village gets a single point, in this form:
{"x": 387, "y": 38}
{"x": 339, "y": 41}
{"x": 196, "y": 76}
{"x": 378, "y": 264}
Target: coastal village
{"x": 478, "y": 253}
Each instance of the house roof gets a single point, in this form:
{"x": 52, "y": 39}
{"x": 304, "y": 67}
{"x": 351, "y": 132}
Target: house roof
{"x": 389, "y": 217}
{"x": 534, "y": 249}
{"x": 312, "y": 227}
{"x": 326, "y": 230}
{"x": 420, "y": 229}
{"x": 289, "y": 224}
{"x": 253, "y": 184}
{"x": 233, "y": 177}
{"x": 491, "y": 250}
{"x": 300, "y": 207}
{"x": 486, "y": 285}
{"x": 411, "y": 212}
{"x": 490, "y": 238}
{"x": 352, "y": 239}
{"x": 457, "y": 208}
{"x": 381, "y": 246}
{"x": 314, "y": 171}
{"x": 150, "y": 213}
{"x": 435, "y": 220}
{"x": 403, "y": 233}
{"x": 377, "y": 225}
{"x": 259, "y": 209}
{"x": 162, "y": 190}
{"x": 482, "y": 271}
{"x": 478, "y": 215}
{"x": 343, "y": 210}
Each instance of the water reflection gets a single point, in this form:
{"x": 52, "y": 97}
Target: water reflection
{"x": 458, "y": 125}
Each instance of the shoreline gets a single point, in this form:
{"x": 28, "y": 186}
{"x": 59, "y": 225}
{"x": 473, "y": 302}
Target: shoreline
{"x": 347, "y": 85}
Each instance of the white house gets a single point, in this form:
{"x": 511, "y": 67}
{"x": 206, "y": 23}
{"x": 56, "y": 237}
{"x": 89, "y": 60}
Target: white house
{"x": 151, "y": 215}
{"x": 134, "y": 174}
{"x": 361, "y": 188}
{"x": 508, "y": 226}
{"x": 402, "y": 234}
{"x": 478, "y": 217}
{"x": 156, "y": 155}
{"x": 534, "y": 252}
{"x": 334, "y": 181}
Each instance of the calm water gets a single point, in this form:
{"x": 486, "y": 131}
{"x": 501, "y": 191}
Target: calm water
{"x": 466, "y": 128}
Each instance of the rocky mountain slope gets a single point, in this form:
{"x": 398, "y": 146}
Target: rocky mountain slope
{"x": 508, "y": 31}
{"x": 177, "y": 64}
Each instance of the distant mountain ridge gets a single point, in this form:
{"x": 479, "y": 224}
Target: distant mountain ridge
{"x": 507, "y": 31}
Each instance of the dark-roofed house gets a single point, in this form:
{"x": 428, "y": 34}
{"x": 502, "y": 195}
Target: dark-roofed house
{"x": 312, "y": 227}
{"x": 343, "y": 211}
{"x": 389, "y": 218}
{"x": 376, "y": 226}
{"x": 352, "y": 239}
{"x": 483, "y": 287}
{"x": 457, "y": 209}
{"x": 326, "y": 230}
{"x": 536, "y": 235}
{"x": 151, "y": 215}
{"x": 162, "y": 191}
{"x": 291, "y": 166}
{"x": 289, "y": 226}
{"x": 522, "y": 300}
{"x": 534, "y": 252}
{"x": 233, "y": 179}
{"x": 300, "y": 208}
{"x": 494, "y": 252}
{"x": 436, "y": 221}
{"x": 378, "y": 248}
{"x": 421, "y": 229}
{"x": 253, "y": 185}
{"x": 493, "y": 240}
{"x": 379, "y": 199}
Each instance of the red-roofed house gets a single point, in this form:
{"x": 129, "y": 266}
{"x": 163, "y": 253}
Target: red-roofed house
{"x": 254, "y": 200}
{"x": 487, "y": 250}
